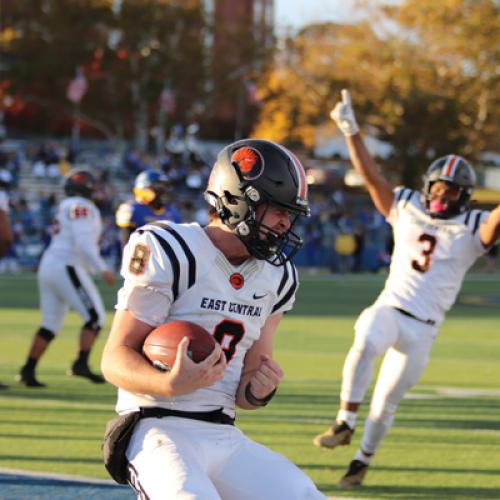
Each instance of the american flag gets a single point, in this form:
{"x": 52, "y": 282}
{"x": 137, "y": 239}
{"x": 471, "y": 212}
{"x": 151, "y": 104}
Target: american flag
{"x": 77, "y": 87}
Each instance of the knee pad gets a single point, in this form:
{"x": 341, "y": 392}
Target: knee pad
{"x": 46, "y": 334}
{"x": 93, "y": 326}
{"x": 93, "y": 323}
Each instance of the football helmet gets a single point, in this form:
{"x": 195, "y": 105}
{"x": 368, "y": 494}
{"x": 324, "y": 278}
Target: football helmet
{"x": 455, "y": 170}
{"x": 80, "y": 182}
{"x": 250, "y": 172}
{"x": 151, "y": 188}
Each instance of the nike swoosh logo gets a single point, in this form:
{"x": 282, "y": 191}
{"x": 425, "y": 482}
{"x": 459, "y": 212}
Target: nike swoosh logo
{"x": 255, "y": 296}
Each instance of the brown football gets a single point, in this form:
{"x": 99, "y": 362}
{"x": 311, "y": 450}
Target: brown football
{"x": 160, "y": 346}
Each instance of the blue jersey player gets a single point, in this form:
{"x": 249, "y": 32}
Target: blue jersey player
{"x": 150, "y": 204}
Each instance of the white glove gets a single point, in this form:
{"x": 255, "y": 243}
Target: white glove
{"x": 343, "y": 115}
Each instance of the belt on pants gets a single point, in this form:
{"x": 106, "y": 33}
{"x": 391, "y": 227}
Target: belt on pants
{"x": 216, "y": 416}
{"x": 410, "y": 315}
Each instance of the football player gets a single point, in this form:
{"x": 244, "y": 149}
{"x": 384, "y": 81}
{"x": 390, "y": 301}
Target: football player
{"x": 437, "y": 237}
{"x": 234, "y": 277}
{"x": 6, "y": 237}
{"x": 64, "y": 277}
{"x": 150, "y": 203}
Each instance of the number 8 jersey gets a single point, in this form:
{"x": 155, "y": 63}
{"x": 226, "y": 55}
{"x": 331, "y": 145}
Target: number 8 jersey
{"x": 430, "y": 258}
{"x": 174, "y": 272}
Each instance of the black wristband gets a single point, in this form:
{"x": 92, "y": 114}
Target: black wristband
{"x": 258, "y": 401}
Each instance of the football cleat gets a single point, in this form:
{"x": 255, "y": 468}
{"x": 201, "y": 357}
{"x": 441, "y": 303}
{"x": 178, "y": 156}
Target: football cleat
{"x": 339, "y": 434}
{"x": 27, "y": 378}
{"x": 354, "y": 476}
{"x": 82, "y": 370}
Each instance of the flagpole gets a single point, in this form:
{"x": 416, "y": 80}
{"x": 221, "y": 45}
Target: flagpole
{"x": 75, "y": 91}
{"x": 75, "y": 131}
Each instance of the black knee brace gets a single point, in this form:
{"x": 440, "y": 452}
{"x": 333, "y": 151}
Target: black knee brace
{"x": 93, "y": 322}
{"x": 45, "y": 334}
{"x": 92, "y": 325}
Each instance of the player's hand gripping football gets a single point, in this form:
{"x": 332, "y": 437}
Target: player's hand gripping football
{"x": 187, "y": 376}
{"x": 266, "y": 378}
{"x": 343, "y": 115}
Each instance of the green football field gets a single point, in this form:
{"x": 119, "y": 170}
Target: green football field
{"x": 445, "y": 442}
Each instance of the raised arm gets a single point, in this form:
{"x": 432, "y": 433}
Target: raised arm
{"x": 380, "y": 191}
{"x": 489, "y": 231}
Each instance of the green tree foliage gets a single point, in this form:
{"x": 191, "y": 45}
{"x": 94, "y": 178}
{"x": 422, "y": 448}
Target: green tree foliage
{"x": 423, "y": 76}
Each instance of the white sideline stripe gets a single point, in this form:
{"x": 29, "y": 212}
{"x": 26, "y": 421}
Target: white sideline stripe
{"x": 437, "y": 392}
{"x": 328, "y": 421}
{"x": 59, "y": 477}
{"x": 453, "y": 392}
{"x": 89, "y": 480}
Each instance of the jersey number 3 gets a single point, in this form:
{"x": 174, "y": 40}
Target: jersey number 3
{"x": 429, "y": 244}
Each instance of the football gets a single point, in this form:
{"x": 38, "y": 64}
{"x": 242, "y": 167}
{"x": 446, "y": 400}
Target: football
{"x": 160, "y": 346}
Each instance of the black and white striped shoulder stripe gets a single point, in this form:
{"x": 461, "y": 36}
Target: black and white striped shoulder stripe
{"x": 473, "y": 219}
{"x": 177, "y": 250}
{"x": 404, "y": 195}
{"x": 287, "y": 286}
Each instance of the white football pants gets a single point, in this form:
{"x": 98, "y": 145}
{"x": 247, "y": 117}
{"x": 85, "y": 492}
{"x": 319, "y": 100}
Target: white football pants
{"x": 406, "y": 343}
{"x": 184, "y": 459}
{"x": 62, "y": 287}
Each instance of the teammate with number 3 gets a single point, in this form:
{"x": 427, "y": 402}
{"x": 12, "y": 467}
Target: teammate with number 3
{"x": 437, "y": 237}
{"x": 234, "y": 278}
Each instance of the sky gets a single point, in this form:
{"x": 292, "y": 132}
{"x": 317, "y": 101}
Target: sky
{"x": 298, "y": 13}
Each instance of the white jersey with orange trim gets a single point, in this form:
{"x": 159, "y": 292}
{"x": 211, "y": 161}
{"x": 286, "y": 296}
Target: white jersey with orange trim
{"x": 174, "y": 272}
{"x": 76, "y": 234}
{"x": 431, "y": 256}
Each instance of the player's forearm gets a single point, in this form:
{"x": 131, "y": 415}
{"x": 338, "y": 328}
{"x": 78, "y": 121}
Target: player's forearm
{"x": 378, "y": 187}
{"x": 127, "y": 369}
{"x": 5, "y": 233}
{"x": 241, "y": 400}
{"x": 489, "y": 231}
{"x": 362, "y": 160}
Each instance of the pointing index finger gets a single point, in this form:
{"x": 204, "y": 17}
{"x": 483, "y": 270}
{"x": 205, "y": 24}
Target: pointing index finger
{"x": 346, "y": 97}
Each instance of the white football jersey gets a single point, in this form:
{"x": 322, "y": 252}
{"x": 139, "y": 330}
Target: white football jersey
{"x": 430, "y": 257}
{"x": 174, "y": 272}
{"x": 76, "y": 234}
